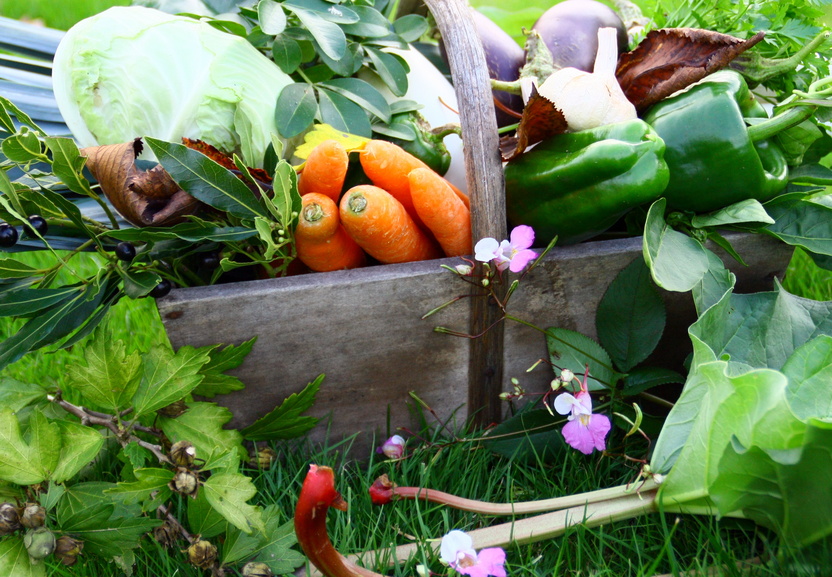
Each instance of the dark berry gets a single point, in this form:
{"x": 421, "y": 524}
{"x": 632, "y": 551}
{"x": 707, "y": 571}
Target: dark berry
{"x": 8, "y": 235}
{"x": 161, "y": 289}
{"x": 38, "y": 223}
{"x": 125, "y": 251}
{"x": 210, "y": 261}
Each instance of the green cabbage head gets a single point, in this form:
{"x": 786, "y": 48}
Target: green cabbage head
{"x": 133, "y": 71}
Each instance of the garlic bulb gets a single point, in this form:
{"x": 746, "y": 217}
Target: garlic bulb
{"x": 590, "y": 99}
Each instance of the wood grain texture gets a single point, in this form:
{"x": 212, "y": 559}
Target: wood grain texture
{"x": 362, "y": 328}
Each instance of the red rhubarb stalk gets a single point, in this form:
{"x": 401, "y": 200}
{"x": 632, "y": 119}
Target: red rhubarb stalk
{"x": 317, "y": 495}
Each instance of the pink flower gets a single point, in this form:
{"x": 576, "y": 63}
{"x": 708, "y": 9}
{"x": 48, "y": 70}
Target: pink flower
{"x": 457, "y": 550}
{"x": 513, "y": 255}
{"x": 393, "y": 448}
{"x": 585, "y": 430}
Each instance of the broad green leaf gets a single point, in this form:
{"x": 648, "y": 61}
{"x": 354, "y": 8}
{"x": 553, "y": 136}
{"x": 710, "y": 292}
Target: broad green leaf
{"x": 296, "y": 109}
{"x": 631, "y": 316}
{"x": 677, "y": 261}
{"x": 203, "y": 519}
{"x": 361, "y": 93}
{"x": 168, "y": 377}
{"x": 16, "y": 394}
{"x": 215, "y": 381}
{"x": 809, "y": 369}
{"x": 189, "y": 231}
{"x": 115, "y": 537}
{"x": 138, "y": 283}
{"x": 239, "y": 545}
{"x": 23, "y": 147}
{"x": 641, "y": 379}
{"x": 27, "y": 460}
{"x": 68, "y": 164}
{"x": 811, "y": 174}
{"x": 390, "y": 69}
{"x": 205, "y": 179}
{"x": 410, "y": 27}
{"x": 713, "y": 285}
{"x": 228, "y": 493}
{"x": 80, "y": 446}
{"x": 136, "y": 456}
{"x": 345, "y": 66}
{"x": 371, "y": 23}
{"x": 85, "y": 505}
{"x": 528, "y": 436}
{"x": 110, "y": 377}
{"x": 276, "y": 551}
{"x": 286, "y": 53}
{"x": 12, "y": 268}
{"x": 15, "y": 561}
{"x": 801, "y": 223}
{"x": 328, "y": 35}
{"x": 285, "y": 421}
{"x": 202, "y": 425}
{"x": 572, "y": 350}
{"x": 340, "y": 14}
{"x": 271, "y": 17}
{"x": 744, "y": 211}
{"x": 343, "y": 114}
{"x": 151, "y": 484}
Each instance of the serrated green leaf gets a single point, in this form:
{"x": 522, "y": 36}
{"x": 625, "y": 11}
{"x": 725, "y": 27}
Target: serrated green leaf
{"x": 110, "y": 376}
{"x": 631, "y": 316}
{"x": 205, "y": 179}
{"x": 80, "y": 445}
{"x": 168, "y": 377}
{"x": 203, "y": 519}
{"x": 285, "y": 421}
{"x": 16, "y": 394}
{"x": 228, "y": 493}
{"x": 572, "y": 350}
{"x": 214, "y": 381}
{"x": 389, "y": 69}
{"x": 677, "y": 261}
{"x": 285, "y": 203}
{"x": 343, "y": 114}
{"x": 202, "y": 425}
{"x": 15, "y": 561}
{"x": 239, "y": 545}
{"x": 30, "y": 460}
{"x": 135, "y": 456}
{"x": 296, "y": 109}
{"x": 115, "y": 537}
{"x": 148, "y": 481}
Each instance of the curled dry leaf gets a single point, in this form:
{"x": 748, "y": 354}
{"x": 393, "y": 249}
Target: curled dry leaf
{"x": 142, "y": 197}
{"x": 226, "y": 161}
{"x": 541, "y": 119}
{"x": 669, "y": 59}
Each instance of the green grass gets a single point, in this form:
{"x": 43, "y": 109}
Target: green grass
{"x": 60, "y": 14}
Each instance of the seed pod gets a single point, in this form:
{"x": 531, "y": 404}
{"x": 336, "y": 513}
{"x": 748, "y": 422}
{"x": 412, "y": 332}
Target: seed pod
{"x": 185, "y": 482}
{"x": 39, "y": 543}
{"x": 67, "y": 549}
{"x": 263, "y": 458}
{"x": 202, "y": 554}
{"x": 173, "y": 410}
{"x": 33, "y": 516}
{"x": 9, "y": 519}
{"x": 255, "y": 569}
{"x": 165, "y": 534}
{"x": 182, "y": 453}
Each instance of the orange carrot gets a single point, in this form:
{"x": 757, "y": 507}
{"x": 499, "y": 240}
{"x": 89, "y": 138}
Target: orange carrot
{"x": 322, "y": 243}
{"x": 325, "y": 170}
{"x": 381, "y": 226}
{"x": 442, "y": 211}
{"x": 388, "y": 164}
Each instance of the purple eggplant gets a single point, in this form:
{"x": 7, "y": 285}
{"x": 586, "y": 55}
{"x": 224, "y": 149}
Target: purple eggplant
{"x": 504, "y": 58}
{"x": 570, "y": 31}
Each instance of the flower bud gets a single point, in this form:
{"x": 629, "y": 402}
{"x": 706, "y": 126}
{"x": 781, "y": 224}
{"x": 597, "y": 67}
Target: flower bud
{"x": 463, "y": 269}
{"x": 39, "y": 543}
{"x": 255, "y": 569}
{"x": 566, "y": 376}
{"x": 173, "y": 410}
{"x": 184, "y": 482}
{"x": 9, "y": 519}
{"x": 33, "y": 516}
{"x": 182, "y": 453}
{"x": 263, "y": 458}
{"x": 67, "y": 549}
{"x": 393, "y": 448}
{"x": 202, "y": 554}
{"x": 165, "y": 534}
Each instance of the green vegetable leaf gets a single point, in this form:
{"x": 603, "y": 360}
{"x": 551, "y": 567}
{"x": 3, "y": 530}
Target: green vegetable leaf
{"x": 27, "y": 460}
{"x": 343, "y": 114}
{"x": 228, "y": 493}
{"x": 16, "y": 394}
{"x": 285, "y": 421}
{"x": 328, "y": 35}
{"x": 631, "y": 316}
{"x": 572, "y": 350}
{"x": 296, "y": 109}
{"x": 713, "y": 285}
{"x": 677, "y": 261}
{"x": 205, "y": 179}
{"x": 15, "y": 561}
{"x": 286, "y": 53}
{"x": 744, "y": 211}
{"x": 271, "y": 17}
{"x": 202, "y": 425}
{"x": 80, "y": 445}
{"x": 802, "y": 223}
{"x": 809, "y": 369}
{"x": 371, "y": 23}
{"x": 410, "y": 27}
{"x": 168, "y": 377}
{"x": 111, "y": 375}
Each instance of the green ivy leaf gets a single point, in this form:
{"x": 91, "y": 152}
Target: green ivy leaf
{"x": 81, "y": 444}
{"x": 168, "y": 377}
{"x": 15, "y": 561}
{"x": 27, "y": 460}
{"x": 111, "y": 375}
{"x": 285, "y": 421}
{"x": 228, "y": 493}
{"x": 202, "y": 425}
{"x": 572, "y": 350}
{"x": 677, "y": 261}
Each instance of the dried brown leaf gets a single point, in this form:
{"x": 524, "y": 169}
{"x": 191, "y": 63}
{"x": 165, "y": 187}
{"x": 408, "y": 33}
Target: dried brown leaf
{"x": 541, "y": 120}
{"x": 669, "y": 59}
{"x": 142, "y": 197}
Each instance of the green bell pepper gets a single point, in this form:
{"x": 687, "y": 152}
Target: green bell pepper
{"x": 577, "y": 185}
{"x": 713, "y": 158}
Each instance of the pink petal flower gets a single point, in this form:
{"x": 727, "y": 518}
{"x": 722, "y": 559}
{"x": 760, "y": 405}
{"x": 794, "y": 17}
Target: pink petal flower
{"x": 522, "y": 237}
{"x": 456, "y": 549}
{"x": 486, "y": 250}
{"x": 393, "y": 448}
{"x": 587, "y": 433}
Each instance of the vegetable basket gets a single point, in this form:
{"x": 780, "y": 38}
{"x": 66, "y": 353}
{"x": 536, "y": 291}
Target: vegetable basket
{"x": 363, "y": 328}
